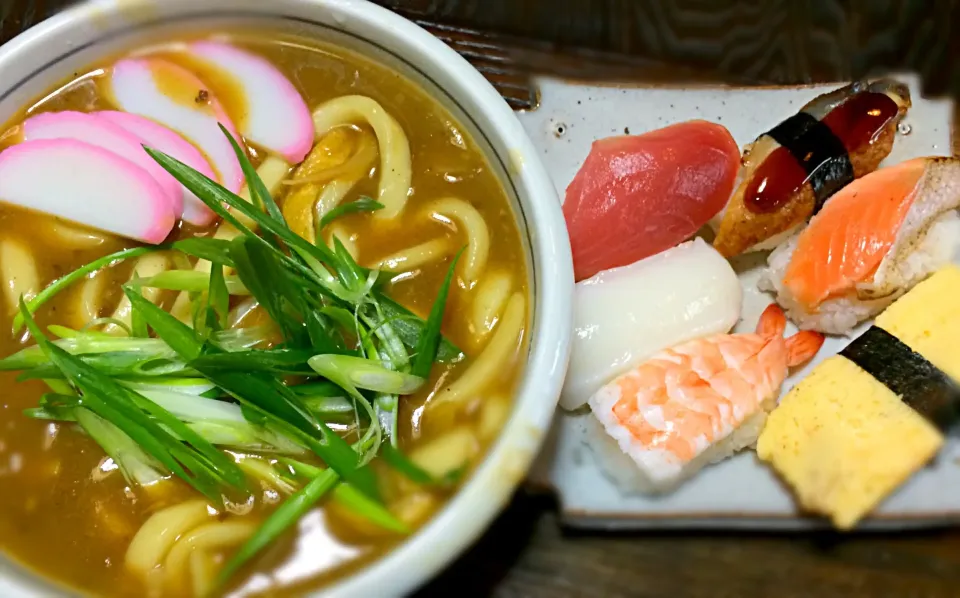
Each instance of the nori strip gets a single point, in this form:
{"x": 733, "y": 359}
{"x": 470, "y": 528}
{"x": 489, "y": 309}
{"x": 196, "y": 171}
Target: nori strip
{"x": 919, "y": 383}
{"x": 821, "y": 154}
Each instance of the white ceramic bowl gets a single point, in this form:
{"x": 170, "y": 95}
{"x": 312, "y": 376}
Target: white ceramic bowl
{"x": 46, "y": 55}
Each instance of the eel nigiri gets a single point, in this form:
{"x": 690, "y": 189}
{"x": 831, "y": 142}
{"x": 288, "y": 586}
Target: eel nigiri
{"x": 873, "y": 241}
{"x": 866, "y": 420}
{"x": 698, "y": 403}
{"x": 790, "y": 171}
{"x": 636, "y": 196}
{"x": 624, "y": 315}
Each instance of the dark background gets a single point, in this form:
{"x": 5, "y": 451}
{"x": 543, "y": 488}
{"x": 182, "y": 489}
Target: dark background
{"x": 526, "y": 553}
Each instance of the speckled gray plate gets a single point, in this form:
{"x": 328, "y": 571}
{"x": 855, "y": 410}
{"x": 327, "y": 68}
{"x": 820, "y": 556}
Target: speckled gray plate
{"x": 741, "y": 492}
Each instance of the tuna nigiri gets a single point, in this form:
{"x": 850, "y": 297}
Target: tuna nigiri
{"x": 790, "y": 171}
{"x": 636, "y": 196}
{"x": 875, "y": 239}
{"x": 697, "y": 403}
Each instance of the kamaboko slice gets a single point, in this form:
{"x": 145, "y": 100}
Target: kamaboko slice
{"x": 84, "y": 127}
{"x": 173, "y": 96}
{"x": 161, "y": 138}
{"x": 275, "y": 114}
{"x": 88, "y": 185}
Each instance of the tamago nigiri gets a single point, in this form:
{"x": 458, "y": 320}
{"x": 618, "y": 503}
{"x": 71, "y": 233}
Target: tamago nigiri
{"x": 636, "y": 196}
{"x": 697, "y": 403}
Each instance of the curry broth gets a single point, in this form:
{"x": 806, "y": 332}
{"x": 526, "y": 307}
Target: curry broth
{"x": 65, "y": 513}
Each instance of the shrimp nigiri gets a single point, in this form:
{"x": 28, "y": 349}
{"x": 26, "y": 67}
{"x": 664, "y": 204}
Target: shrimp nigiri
{"x": 699, "y": 402}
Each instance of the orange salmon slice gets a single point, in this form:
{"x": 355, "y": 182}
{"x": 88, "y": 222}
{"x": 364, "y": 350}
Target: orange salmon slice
{"x": 846, "y": 242}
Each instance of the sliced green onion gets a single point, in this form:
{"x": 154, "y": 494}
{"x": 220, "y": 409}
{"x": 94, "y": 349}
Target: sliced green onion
{"x": 214, "y": 250}
{"x": 189, "y": 386}
{"x": 409, "y": 327}
{"x": 219, "y": 295}
{"x": 363, "y": 204}
{"x": 136, "y": 465}
{"x": 429, "y": 341}
{"x": 262, "y": 470}
{"x": 138, "y": 326}
{"x": 87, "y": 344}
{"x": 387, "y": 408}
{"x": 414, "y": 472}
{"x": 177, "y": 335}
{"x": 350, "y": 498}
{"x": 357, "y": 372}
{"x": 286, "y": 515}
{"x": 238, "y": 339}
{"x": 193, "y": 281}
{"x": 286, "y": 361}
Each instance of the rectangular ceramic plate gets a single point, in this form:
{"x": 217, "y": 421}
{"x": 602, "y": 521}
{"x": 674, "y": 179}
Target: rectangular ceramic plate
{"x": 740, "y": 492}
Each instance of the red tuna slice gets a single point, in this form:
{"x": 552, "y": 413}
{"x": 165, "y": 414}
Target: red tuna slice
{"x": 636, "y": 196}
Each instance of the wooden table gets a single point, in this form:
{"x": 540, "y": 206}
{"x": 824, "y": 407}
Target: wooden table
{"x": 526, "y": 553}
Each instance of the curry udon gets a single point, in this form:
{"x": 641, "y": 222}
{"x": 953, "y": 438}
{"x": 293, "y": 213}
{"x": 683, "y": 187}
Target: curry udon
{"x": 107, "y": 479}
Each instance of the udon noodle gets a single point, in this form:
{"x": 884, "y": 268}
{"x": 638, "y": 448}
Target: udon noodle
{"x": 76, "y": 236}
{"x": 395, "y": 163}
{"x": 453, "y": 210}
{"x": 491, "y": 296}
{"x": 348, "y": 239}
{"x": 416, "y": 256}
{"x": 499, "y": 352}
{"x": 18, "y": 271}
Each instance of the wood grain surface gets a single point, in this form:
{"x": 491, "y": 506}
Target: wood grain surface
{"x": 768, "y": 41}
{"x": 526, "y": 553}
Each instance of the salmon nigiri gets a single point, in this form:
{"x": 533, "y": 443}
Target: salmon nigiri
{"x": 699, "y": 402}
{"x": 873, "y": 241}
{"x": 636, "y": 196}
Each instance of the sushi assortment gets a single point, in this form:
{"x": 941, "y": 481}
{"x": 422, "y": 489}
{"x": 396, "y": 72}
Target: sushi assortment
{"x": 662, "y": 384}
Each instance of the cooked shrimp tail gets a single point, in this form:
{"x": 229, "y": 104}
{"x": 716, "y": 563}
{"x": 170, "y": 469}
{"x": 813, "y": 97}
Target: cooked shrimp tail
{"x": 772, "y": 322}
{"x": 802, "y": 346}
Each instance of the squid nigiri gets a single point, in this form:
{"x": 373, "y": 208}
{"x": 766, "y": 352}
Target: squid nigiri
{"x": 697, "y": 403}
{"x": 875, "y": 240}
{"x": 636, "y": 196}
{"x": 790, "y": 171}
